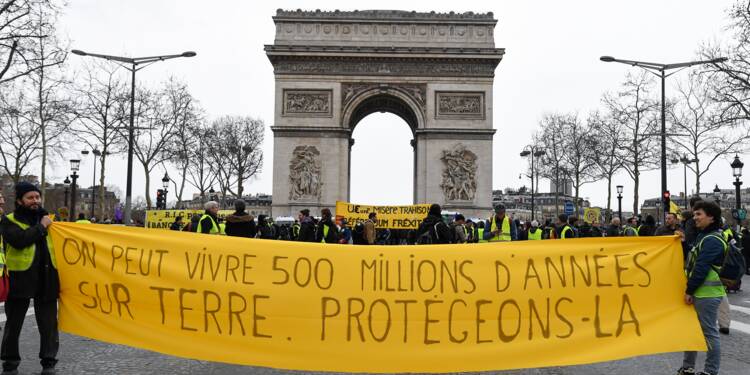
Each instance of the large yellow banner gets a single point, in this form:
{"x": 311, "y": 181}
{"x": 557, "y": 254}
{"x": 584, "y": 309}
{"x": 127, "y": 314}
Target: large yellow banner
{"x": 391, "y": 217}
{"x": 317, "y": 307}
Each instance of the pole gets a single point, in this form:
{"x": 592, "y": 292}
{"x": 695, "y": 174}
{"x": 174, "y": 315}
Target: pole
{"x": 74, "y": 176}
{"x": 129, "y": 187}
{"x": 619, "y": 207}
{"x": 93, "y": 195}
{"x": 532, "y": 184}
{"x": 685, "y": 169}
{"x": 665, "y": 200}
{"x": 65, "y": 202}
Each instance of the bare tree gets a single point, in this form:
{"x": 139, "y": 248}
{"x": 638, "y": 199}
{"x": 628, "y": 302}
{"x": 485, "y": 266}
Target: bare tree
{"x": 200, "y": 173}
{"x": 579, "y": 158}
{"x": 18, "y": 33}
{"x": 608, "y": 145}
{"x": 19, "y": 140}
{"x": 636, "y": 111}
{"x": 188, "y": 117}
{"x": 242, "y": 137}
{"x": 51, "y": 108}
{"x": 99, "y": 97}
{"x": 704, "y": 134}
{"x": 553, "y": 164}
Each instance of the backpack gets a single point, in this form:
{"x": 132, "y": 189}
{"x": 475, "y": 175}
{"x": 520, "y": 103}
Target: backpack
{"x": 427, "y": 238}
{"x": 734, "y": 266}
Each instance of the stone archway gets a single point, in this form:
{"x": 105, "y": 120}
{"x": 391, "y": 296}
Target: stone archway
{"x": 435, "y": 71}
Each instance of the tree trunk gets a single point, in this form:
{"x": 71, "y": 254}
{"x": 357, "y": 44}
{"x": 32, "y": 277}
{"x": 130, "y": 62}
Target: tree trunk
{"x": 44, "y": 164}
{"x": 636, "y": 181}
{"x": 42, "y": 127}
{"x": 609, "y": 197}
{"x": 148, "y": 186}
{"x": 697, "y": 178}
{"x": 102, "y": 162}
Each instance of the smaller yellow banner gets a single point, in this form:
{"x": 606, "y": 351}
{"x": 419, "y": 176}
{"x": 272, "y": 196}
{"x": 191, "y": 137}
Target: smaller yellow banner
{"x": 592, "y": 215}
{"x": 391, "y": 217}
{"x": 163, "y": 219}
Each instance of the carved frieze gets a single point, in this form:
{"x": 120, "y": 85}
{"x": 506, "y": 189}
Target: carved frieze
{"x": 417, "y": 92}
{"x": 307, "y": 103}
{"x": 415, "y": 67}
{"x": 304, "y": 174}
{"x": 459, "y": 174}
{"x": 459, "y": 105}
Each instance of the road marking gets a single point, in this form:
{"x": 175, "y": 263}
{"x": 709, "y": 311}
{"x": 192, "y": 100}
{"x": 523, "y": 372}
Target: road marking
{"x": 739, "y": 326}
{"x": 742, "y": 309}
{"x": 3, "y": 318}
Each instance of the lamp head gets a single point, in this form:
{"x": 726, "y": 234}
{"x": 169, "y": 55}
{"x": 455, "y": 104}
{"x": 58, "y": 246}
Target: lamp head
{"x": 525, "y": 153}
{"x": 619, "y": 189}
{"x": 66, "y": 182}
{"x": 79, "y": 52}
{"x": 737, "y": 165}
{"x": 188, "y": 54}
{"x": 607, "y": 58}
{"x": 75, "y": 164}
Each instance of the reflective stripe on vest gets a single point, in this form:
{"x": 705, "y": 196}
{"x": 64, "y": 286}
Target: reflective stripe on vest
{"x": 83, "y": 221}
{"x": 505, "y": 232}
{"x": 537, "y": 235}
{"x": 214, "y": 227}
{"x": 326, "y": 228}
{"x": 712, "y": 285}
{"x": 565, "y": 230}
{"x": 632, "y": 230}
{"x": 481, "y": 235}
{"x": 21, "y": 259}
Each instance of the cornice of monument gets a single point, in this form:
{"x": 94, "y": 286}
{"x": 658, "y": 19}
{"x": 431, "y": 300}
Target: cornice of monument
{"x": 382, "y": 15}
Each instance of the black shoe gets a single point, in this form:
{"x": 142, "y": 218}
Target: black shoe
{"x": 686, "y": 371}
{"x": 724, "y": 330}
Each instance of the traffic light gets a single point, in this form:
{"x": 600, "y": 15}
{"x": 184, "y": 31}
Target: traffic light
{"x": 160, "y": 200}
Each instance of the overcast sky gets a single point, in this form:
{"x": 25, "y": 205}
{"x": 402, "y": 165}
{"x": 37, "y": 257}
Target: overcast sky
{"x": 551, "y": 64}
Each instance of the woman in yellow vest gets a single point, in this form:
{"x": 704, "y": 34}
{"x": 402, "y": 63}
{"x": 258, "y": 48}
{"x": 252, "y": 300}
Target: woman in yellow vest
{"x": 534, "y": 232}
{"x": 30, "y": 260}
{"x": 500, "y": 227}
{"x": 704, "y": 287}
{"x": 209, "y": 223}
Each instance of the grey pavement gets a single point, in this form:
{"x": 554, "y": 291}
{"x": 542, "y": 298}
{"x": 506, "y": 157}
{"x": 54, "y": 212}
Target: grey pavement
{"x": 79, "y": 355}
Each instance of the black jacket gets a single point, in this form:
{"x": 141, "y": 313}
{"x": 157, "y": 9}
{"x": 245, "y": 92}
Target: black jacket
{"x": 206, "y": 223}
{"x": 439, "y": 231}
{"x": 333, "y": 231}
{"x": 41, "y": 279}
{"x": 307, "y": 230}
{"x": 240, "y": 224}
{"x": 613, "y": 231}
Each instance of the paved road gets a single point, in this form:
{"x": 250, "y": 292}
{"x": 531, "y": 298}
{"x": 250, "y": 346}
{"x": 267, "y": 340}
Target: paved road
{"x": 80, "y": 355}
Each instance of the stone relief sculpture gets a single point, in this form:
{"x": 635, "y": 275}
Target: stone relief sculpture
{"x": 304, "y": 173}
{"x": 460, "y": 104}
{"x": 459, "y": 174}
{"x": 308, "y": 102}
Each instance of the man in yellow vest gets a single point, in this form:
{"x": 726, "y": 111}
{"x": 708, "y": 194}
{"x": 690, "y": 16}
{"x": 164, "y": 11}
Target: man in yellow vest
{"x": 209, "y": 223}
{"x": 704, "y": 287}
{"x": 630, "y": 229}
{"x": 480, "y": 232}
{"x": 327, "y": 231}
{"x": 534, "y": 232}
{"x": 30, "y": 260}
{"x": 565, "y": 232}
{"x": 82, "y": 219}
{"x": 500, "y": 227}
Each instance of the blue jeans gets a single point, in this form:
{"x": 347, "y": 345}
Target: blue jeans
{"x": 707, "y": 309}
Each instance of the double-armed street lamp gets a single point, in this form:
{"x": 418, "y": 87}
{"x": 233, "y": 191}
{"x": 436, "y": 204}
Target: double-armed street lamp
{"x": 619, "y": 202}
{"x": 534, "y": 152}
{"x": 685, "y": 161}
{"x": 132, "y": 64}
{"x": 74, "y": 165}
{"x": 660, "y": 71}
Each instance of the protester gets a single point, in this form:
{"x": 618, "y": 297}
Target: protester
{"x": 630, "y": 229}
{"x": 596, "y": 229}
{"x": 327, "y": 231}
{"x": 471, "y": 229}
{"x": 82, "y": 219}
{"x": 670, "y": 226}
{"x": 704, "y": 288}
{"x": 648, "y": 227}
{"x": 307, "y": 227}
{"x": 564, "y": 231}
{"x": 33, "y": 274}
{"x": 534, "y": 232}
{"x": 358, "y": 234}
{"x": 746, "y": 246}
{"x": 500, "y": 227}
{"x": 613, "y": 230}
{"x": 265, "y": 229}
{"x": 573, "y": 223}
{"x": 480, "y": 232}
{"x": 294, "y": 235}
{"x": 209, "y": 223}
{"x": 240, "y": 223}
{"x": 433, "y": 230}
{"x": 370, "y": 225}
{"x": 523, "y": 231}
{"x": 177, "y": 225}
{"x": 460, "y": 233}
{"x": 345, "y": 234}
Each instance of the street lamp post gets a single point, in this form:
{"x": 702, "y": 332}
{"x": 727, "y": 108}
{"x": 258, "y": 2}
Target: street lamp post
{"x": 66, "y": 183}
{"x": 619, "y": 202}
{"x": 660, "y": 71}
{"x": 737, "y": 165}
{"x": 685, "y": 161}
{"x": 165, "y": 184}
{"x": 132, "y": 66}
{"x": 534, "y": 152}
{"x": 74, "y": 165}
{"x": 717, "y": 195}
{"x": 96, "y": 154}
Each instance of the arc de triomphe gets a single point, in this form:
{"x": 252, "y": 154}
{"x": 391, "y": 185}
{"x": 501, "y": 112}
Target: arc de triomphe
{"x": 434, "y": 70}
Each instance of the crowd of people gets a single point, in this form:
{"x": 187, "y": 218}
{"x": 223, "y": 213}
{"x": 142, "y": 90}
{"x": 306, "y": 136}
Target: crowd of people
{"x": 28, "y": 255}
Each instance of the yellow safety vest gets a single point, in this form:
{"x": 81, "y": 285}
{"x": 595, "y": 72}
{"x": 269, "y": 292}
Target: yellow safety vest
{"x": 505, "y": 235}
{"x": 21, "y": 259}
{"x": 83, "y": 221}
{"x": 481, "y": 235}
{"x": 712, "y": 286}
{"x": 326, "y": 228}
{"x": 214, "y": 227}
{"x": 536, "y": 235}
{"x": 633, "y": 230}
{"x": 222, "y": 228}
{"x": 564, "y": 231}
